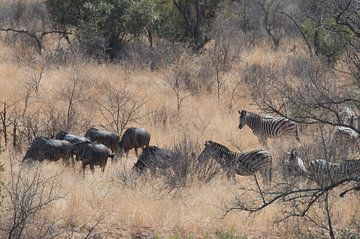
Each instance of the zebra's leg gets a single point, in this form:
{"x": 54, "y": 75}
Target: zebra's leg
{"x": 230, "y": 175}
{"x": 260, "y": 191}
{"x": 263, "y": 141}
{"x": 266, "y": 174}
{"x": 297, "y": 134}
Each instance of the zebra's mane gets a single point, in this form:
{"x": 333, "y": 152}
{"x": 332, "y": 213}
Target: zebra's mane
{"x": 222, "y": 148}
{"x": 251, "y": 114}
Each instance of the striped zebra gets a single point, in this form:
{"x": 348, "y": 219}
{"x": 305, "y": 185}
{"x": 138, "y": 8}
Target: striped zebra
{"x": 244, "y": 164}
{"x": 325, "y": 173}
{"x": 347, "y": 116}
{"x": 268, "y": 127}
{"x": 295, "y": 165}
{"x": 346, "y": 139}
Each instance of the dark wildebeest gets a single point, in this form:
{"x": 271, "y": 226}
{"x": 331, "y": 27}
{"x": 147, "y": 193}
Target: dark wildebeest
{"x": 51, "y": 149}
{"x": 74, "y": 139}
{"x": 134, "y": 138}
{"x": 153, "y": 158}
{"x": 109, "y": 139}
{"x": 92, "y": 154}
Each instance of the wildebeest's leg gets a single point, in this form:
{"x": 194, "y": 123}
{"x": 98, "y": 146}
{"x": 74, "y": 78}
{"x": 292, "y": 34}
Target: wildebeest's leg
{"x": 103, "y": 167}
{"x": 72, "y": 160}
{"x": 83, "y": 168}
{"x": 136, "y": 153}
{"x": 92, "y": 168}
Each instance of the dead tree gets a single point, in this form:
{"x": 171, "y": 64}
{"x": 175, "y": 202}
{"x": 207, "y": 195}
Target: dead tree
{"x": 176, "y": 84}
{"x": 119, "y": 109}
{"x": 29, "y": 194}
{"x": 271, "y": 19}
{"x": 298, "y": 202}
{"x": 6, "y": 120}
{"x": 196, "y": 14}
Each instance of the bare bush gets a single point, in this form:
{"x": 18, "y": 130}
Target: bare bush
{"x": 29, "y": 197}
{"x": 120, "y": 108}
{"x": 27, "y": 24}
{"x": 163, "y": 116}
{"x": 178, "y": 82}
{"x": 161, "y": 54}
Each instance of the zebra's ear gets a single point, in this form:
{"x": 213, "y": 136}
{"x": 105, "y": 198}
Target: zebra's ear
{"x": 239, "y": 112}
{"x": 288, "y": 153}
{"x": 207, "y": 143}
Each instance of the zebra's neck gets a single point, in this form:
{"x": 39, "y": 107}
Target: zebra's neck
{"x": 252, "y": 120}
{"x": 225, "y": 156}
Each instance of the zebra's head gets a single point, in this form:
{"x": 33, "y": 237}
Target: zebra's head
{"x": 292, "y": 156}
{"x": 296, "y": 162}
{"x": 212, "y": 150}
{"x": 242, "y": 119}
{"x": 206, "y": 153}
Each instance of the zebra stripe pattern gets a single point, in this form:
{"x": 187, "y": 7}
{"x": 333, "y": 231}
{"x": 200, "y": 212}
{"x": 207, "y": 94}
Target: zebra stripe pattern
{"x": 347, "y": 139}
{"x": 268, "y": 127}
{"x": 325, "y": 173}
{"x": 347, "y": 116}
{"x": 295, "y": 165}
{"x": 346, "y": 136}
{"x": 244, "y": 164}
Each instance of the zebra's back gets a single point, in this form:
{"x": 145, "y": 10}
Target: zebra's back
{"x": 250, "y": 162}
{"x": 277, "y": 127}
{"x": 326, "y": 173}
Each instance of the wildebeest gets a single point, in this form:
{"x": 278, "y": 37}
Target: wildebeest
{"x": 74, "y": 139}
{"x": 51, "y": 149}
{"x": 92, "y": 154}
{"x": 109, "y": 139}
{"x": 153, "y": 158}
{"x": 134, "y": 138}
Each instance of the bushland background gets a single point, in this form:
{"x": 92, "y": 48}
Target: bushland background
{"x": 181, "y": 69}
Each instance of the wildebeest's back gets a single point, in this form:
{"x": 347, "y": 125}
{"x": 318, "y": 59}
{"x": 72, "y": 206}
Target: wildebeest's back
{"x": 135, "y": 138}
{"x": 52, "y": 149}
{"x": 109, "y": 139}
{"x": 153, "y": 158}
{"x": 92, "y": 153}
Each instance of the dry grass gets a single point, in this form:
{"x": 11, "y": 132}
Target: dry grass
{"x": 148, "y": 210}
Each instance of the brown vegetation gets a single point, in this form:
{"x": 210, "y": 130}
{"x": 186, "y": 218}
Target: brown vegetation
{"x": 183, "y": 101}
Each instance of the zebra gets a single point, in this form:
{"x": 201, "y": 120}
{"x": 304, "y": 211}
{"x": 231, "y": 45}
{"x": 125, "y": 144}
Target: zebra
{"x": 265, "y": 127}
{"x": 295, "y": 165}
{"x": 346, "y": 139}
{"x": 244, "y": 164}
{"x": 325, "y": 173}
{"x": 347, "y": 116}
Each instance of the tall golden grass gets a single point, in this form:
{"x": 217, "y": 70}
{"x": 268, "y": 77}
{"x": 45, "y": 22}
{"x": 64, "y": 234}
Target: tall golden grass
{"x": 148, "y": 210}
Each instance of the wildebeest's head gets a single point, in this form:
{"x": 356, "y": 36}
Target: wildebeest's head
{"x": 242, "y": 119}
{"x": 61, "y": 135}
